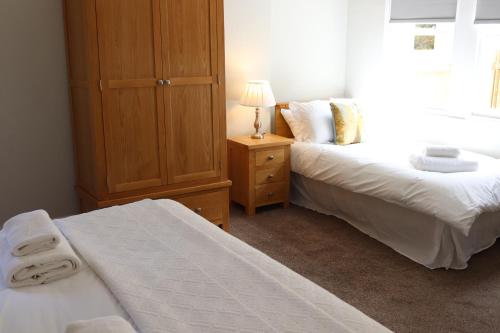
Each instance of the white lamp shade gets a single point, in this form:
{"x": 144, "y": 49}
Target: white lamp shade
{"x": 258, "y": 94}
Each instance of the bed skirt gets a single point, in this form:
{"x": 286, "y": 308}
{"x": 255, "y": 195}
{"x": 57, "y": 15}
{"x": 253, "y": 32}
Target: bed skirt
{"x": 422, "y": 238}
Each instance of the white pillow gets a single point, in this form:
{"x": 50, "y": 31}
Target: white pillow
{"x": 315, "y": 121}
{"x": 292, "y": 123}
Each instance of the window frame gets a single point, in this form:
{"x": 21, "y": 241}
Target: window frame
{"x": 463, "y": 104}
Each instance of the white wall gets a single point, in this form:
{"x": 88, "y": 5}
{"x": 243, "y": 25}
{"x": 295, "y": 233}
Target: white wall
{"x": 308, "y": 48}
{"x": 299, "y": 46}
{"x": 36, "y": 159}
{"x": 365, "y": 48}
{"x": 248, "y": 52}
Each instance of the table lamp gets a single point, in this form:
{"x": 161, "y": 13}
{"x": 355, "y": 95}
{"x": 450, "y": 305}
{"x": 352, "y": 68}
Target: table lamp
{"x": 258, "y": 94}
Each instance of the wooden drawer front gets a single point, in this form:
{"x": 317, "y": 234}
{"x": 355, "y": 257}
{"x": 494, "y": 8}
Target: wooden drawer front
{"x": 271, "y": 175}
{"x": 270, "y": 157}
{"x": 209, "y": 205}
{"x": 270, "y": 193}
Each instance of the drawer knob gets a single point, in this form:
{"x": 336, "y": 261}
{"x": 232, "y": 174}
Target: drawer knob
{"x": 270, "y": 157}
{"x": 198, "y": 210}
{"x": 270, "y": 194}
{"x": 271, "y": 176}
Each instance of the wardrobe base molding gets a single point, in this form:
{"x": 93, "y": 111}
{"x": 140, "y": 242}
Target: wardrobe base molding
{"x": 213, "y": 198}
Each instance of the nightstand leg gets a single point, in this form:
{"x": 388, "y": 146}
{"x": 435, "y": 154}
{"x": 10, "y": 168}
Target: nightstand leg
{"x": 286, "y": 204}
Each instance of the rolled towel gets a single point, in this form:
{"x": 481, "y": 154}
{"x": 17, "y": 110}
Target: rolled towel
{"x": 30, "y": 233}
{"x": 111, "y": 324}
{"x": 39, "y": 268}
{"x": 442, "y": 151}
{"x": 443, "y": 164}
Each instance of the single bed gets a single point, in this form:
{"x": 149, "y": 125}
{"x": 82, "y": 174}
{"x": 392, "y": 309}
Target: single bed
{"x": 437, "y": 220}
{"x": 167, "y": 269}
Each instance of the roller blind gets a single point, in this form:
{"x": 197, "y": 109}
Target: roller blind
{"x": 488, "y": 11}
{"x": 424, "y": 10}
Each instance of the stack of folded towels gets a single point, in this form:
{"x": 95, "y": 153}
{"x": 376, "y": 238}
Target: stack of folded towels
{"x": 442, "y": 159}
{"x": 33, "y": 251}
{"x": 110, "y": 324}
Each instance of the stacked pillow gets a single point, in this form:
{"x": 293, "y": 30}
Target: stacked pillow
{"x": 336, "y": 121}
{"x": 311, "y": 122}
{"x": 348, "y": 122}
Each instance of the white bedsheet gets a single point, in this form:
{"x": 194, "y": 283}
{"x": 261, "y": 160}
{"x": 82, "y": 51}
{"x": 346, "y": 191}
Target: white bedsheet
{"x": 173, "y": 271}
{"x": 384, "y": 172}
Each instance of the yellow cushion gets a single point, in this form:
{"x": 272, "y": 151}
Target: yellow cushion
{"x": 348, "y": 123}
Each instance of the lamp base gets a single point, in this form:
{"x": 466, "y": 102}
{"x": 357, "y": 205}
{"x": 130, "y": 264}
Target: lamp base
{"x": 257, "y": 125}
{"x": 258, "y": 136}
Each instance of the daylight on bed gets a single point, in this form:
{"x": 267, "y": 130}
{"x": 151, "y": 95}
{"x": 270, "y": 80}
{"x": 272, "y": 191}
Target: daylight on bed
{"x": 316, "y": 166}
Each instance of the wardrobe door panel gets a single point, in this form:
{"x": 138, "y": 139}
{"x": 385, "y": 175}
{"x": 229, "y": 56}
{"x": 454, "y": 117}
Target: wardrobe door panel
{"x": 192, "y": 101}
{"x": 189, "y": 37}
{"x": 192, "y": 133}
{"x": 133, "y": 106}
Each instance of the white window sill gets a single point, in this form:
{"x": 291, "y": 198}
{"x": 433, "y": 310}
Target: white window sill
{"x": 444, "y": 113}
{"x": 487, "y": 114}
{"x": 455, "y": 115}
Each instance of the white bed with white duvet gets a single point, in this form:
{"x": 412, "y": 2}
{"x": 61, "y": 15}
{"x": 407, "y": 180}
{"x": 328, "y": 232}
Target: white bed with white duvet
{"x": 435, "y": 219}
{"x": 165, "y": 269}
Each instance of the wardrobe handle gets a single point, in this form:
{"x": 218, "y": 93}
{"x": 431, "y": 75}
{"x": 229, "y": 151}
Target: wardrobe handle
{"x": 160, "y": 82}
{"x": 167, "y": 82}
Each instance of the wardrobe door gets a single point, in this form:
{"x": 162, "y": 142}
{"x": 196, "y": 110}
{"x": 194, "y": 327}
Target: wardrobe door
{"x": 191, "y": 97}
{"x": 132, "y": 93}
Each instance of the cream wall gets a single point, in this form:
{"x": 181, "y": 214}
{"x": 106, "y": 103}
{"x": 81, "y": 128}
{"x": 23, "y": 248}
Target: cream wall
{"x": 299, "y": 46}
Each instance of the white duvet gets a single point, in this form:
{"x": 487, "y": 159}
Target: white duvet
{"x": 384, "y": 172}
{"x": 172, "y": 271}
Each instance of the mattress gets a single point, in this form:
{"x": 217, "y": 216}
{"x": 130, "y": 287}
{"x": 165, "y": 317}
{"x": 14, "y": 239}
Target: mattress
{"x": 49, "y": 308}
{"x": 384, "y": 172}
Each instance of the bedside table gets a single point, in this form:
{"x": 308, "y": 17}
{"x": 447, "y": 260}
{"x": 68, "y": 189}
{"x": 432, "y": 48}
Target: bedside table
{"x": 259, "y": 170}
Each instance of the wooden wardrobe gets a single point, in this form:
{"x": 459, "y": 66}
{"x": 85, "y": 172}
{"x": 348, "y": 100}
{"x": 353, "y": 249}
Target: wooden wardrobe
{"x": 148, "y": 101}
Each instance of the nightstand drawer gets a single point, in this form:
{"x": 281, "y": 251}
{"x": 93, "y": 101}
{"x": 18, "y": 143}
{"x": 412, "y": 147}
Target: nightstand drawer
{"x": 209, "y": 205}
{"x": 271, "y": 175}
{"x": 269, "y": 157}
{"x": 270, "y": 193}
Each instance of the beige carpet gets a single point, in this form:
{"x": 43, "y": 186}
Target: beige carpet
{"x": 388, "y": 287}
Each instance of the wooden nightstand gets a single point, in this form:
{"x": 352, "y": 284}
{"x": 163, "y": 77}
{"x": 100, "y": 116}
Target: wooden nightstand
{"x": 260, "y": 171}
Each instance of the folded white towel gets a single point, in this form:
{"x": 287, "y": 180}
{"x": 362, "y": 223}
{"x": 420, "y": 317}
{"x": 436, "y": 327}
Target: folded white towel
{"x": 111, "y": 324}
{"x": 443, "y": 164}
{"x": 442, "y": 151}
{"x": 30, "y": 233}
{"x": 39, "y": 268}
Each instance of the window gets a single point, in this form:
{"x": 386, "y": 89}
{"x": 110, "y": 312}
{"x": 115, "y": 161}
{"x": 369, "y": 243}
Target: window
{"x": 425, "y": 37}
{"x": 452, "y": 67}
{"x": 420, "y": 58}
{"x": 487, "y": 71}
